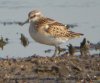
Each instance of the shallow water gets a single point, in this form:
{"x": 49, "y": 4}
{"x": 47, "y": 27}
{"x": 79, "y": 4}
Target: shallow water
{"x": 84, "y": 13}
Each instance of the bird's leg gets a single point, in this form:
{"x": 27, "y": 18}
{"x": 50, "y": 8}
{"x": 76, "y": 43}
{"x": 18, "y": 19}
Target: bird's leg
{"x": 56, "y": 51}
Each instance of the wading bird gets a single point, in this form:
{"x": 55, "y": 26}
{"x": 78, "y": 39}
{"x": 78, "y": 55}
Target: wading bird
{"x": 48, "y": 31}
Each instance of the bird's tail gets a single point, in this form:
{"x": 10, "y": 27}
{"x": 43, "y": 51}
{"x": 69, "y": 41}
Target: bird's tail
{"x": 75, "y": 35}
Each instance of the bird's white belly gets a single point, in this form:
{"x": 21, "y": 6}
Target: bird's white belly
{"x": 44, "y": 39}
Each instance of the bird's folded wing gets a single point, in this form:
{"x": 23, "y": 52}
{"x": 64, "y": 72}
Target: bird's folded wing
{"x": 56, "y": 29}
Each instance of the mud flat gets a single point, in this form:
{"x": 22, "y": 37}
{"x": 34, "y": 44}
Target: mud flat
{"x": 62, "y": 69}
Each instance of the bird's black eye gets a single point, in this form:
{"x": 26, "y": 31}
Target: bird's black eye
{"x": 32, "y": 16}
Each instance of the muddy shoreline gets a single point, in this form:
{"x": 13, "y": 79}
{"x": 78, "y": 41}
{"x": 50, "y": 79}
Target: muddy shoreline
{"x": 62, "y": 68}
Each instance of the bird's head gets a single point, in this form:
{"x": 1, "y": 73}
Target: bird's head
{"x": 34, "y": 15}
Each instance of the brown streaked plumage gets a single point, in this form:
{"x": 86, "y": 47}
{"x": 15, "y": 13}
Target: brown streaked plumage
{"x": 48, "y": 31}
{"x": 53, "y": 28}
